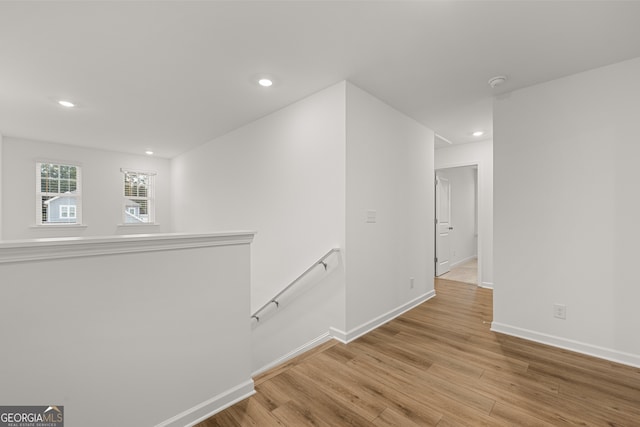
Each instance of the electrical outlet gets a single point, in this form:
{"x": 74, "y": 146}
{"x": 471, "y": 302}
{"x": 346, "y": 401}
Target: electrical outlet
{"x": 559, "y": 311}
{"x": 411, "y": 284}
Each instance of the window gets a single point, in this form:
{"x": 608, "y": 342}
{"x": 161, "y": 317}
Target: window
{"x": 139, "y": 203}
{"x": 58, "y": 194}
{"x": 68, "y": 211}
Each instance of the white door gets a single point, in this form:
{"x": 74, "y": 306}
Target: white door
{"x": 443, "y": 225}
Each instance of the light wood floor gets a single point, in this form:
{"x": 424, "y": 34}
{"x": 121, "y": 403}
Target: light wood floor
{"x": 466, "y": 272}
{"x": 440, "y": 365}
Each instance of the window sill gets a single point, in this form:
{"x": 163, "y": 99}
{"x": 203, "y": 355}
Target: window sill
{"x": 53, "y": 226}
{"x": 146, "y": 224}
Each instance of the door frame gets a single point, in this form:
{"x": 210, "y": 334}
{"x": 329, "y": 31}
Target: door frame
{"x": 481, "y": 217}
{"x": 438, "y": 191}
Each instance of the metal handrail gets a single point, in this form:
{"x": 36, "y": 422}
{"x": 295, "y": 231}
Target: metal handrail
{"x": 274, "y": 300}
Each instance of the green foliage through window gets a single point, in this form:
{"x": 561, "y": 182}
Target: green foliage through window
{"x": 57, "y": 187}
{"x": 138, "y": 193}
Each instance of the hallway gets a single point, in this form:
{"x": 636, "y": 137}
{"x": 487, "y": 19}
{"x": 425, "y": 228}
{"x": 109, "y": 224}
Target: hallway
{"x": 467, "y": 272}
{"x": 440, "y": 365}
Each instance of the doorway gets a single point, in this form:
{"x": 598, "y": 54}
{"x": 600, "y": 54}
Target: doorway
{"x": 456, "y": 232}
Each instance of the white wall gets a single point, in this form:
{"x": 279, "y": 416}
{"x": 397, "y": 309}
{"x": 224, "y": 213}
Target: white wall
{"x": 463, "y": 237}
{"x": 283, "y": 176}
{"x": 389, "y": 170}
{"x": 102, "y": 186}
{"x": 304, "y": 318}
{"x": 480, "y": 153}
{"x": 117, "y": 344}
{"x": 567, "y": 209}
{"x": 303, "y": 178}
{"x": 1, "y": 190}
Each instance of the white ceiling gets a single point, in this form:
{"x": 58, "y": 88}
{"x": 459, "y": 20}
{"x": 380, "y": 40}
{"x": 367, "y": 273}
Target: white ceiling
{"x": 168, "y": 76}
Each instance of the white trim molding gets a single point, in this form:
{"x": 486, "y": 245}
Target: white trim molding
{"x": 480, "y": 187}
{"x": 57, "y": 226}
{"x": 486, "y": 285}
{"x": 462, "y": 261}
{"x": 75, "y": 247}
{"x": 568, "y": 344}
{"x": 294, "y": 353}
{"x": 208, "y": 408}
{"x": 347, "y": 337}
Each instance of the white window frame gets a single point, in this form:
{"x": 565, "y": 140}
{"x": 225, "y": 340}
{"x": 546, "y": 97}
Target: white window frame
{"x": 149, "y": 198}
{"x": 40, "y": 194}
{"x": 71, "y": 211}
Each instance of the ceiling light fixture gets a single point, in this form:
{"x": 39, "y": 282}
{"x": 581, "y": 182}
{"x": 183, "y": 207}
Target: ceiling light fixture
{"x": 149, "y": 153}
{"x": 497, "y": 81}
{"x": 264, "y": 82}
{"x": 67, "y": 104}
{"x": 478, "y": 133}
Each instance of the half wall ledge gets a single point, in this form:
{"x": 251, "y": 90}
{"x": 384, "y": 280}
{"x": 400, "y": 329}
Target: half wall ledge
{"x": 12, "y": 251}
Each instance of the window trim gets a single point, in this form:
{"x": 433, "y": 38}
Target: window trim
{"x": 69, "y": 210}
{"x": 150, "y": 198}
{"x": 39, "y": 193}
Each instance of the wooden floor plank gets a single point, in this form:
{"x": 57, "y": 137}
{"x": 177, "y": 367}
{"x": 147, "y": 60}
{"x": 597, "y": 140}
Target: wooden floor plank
{"x": 294, "y": 414}
{"x": 391, "y": 418}
{"x": 454, "y": 399}
{"x": 293, "y": 362}
{"x": 343, "y": 389}
{"x": 440, "y": 365}
{"x": 418, "y": 410}
{"x": 251, "y": 412}
{"x": 321, "y": 406}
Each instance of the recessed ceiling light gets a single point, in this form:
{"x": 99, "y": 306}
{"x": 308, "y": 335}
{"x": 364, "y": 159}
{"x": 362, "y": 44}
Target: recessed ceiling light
{"x": 265, "y": 82}
{"x": 149, "y": 153}
{"x": 67, "y": 104}
{"x": 478, "y": 133}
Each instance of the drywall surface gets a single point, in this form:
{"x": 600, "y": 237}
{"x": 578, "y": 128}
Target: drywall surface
{"x": 463, "y": 237}
{"x": 283, "y": 176}
{"x": 102, "y": 189}
{"x": 480, "y": 153}
{"x": 1, "y": 190}
{"x": 389, "y": 177}
{"x": 300, "y": 317}
{"x": 566, "y": 211}
{"x": 153, "y": 333}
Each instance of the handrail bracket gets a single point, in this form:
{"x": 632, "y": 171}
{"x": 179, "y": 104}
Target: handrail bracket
{"x": 275, "y": 301}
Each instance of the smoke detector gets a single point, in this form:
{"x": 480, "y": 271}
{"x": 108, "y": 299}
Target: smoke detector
{"x": 497, "y": 81}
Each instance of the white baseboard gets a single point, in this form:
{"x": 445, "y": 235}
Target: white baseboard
{"x": 297, "y": 352}
{"x": 347, "y": 337}
{"x": 567, "y": 344}
{"x": 486, "y": 285}
{"x": 462, "y": 261}
{"x": 208, "y": 408}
